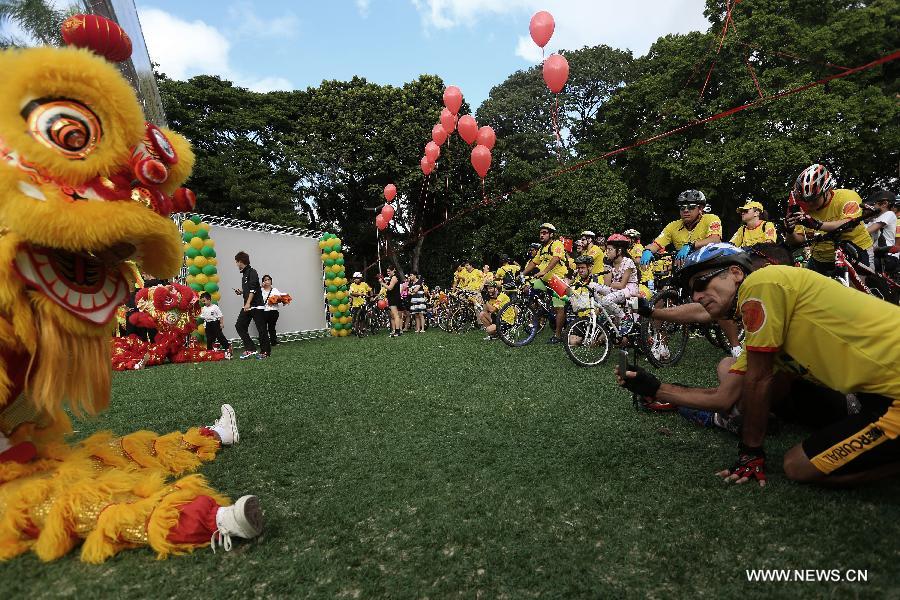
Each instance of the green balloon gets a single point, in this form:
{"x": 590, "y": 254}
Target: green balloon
{"x": 193, "y": 270}
{"x": 196, "y": 219}
{"x": 336, "y": 247}
{"x": 334, "y": 302}
{"x": 211, "y": 287}
{"x": 329, "y": 262}
{"x": 330, "y": 276}
{"x": 343, "y": 288}
{"x": 339, "y": 261}
{"x": 342, "y": 274}
{"x": 187, "y": 237}
{"x": 202, "y": 234}
{"x": 191, "y": 252}
{"x": 210, "y": 270}
{"x": 196, "y": 287}
{"x": 208, "y": 251}
{"x": 332, "y": 288}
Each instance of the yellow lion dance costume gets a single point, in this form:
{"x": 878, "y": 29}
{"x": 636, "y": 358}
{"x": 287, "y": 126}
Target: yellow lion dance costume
{"x": 86, "y": 184}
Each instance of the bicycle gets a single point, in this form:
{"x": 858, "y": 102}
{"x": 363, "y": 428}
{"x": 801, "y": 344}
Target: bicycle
{"x": 526, "y": 316}
{"x": 464, "y": 309}
{"x": 588, "y": 338}
{"x": 368, "y": 319}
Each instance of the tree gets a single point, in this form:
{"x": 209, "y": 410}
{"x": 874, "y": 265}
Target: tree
{"x": 40, "y": 19}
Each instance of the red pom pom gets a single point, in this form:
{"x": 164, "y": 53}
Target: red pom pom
{"x": 151, "y": 171}
{"x": 184, "y": 200}
{"x": 99, "y": 34}
{"x": 142, "y": 319}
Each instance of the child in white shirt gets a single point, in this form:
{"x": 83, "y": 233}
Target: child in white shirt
{"x": 212, "y": 318}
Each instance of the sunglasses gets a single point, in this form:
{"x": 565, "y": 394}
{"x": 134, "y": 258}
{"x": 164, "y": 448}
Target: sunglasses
{"x": 684, "y": 207}
{"x": 702, "y": 282}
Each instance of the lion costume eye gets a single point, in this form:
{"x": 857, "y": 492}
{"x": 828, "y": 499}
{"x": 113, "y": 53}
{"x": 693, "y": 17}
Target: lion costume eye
{"x": 67, "y": 126}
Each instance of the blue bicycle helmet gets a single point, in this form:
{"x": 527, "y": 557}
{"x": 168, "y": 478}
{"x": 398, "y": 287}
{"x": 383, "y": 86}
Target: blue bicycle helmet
{"x": 711, "y": 256}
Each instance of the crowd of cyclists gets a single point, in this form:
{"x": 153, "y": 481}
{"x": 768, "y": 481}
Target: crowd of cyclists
{"x": 818, "y": 345}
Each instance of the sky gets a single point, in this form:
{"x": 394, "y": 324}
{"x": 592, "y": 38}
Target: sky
{"x": 474, "y": 44}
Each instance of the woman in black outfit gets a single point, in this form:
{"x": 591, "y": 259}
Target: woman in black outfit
{"x": 394, "y": 301}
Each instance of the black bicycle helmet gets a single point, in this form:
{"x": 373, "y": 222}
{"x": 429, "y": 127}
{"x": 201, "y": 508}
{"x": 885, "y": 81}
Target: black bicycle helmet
{"x": 584, "y": 259}
{"x": 691, "y": 197}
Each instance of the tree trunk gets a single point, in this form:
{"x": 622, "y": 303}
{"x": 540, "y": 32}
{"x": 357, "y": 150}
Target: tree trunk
{"x": 417, "y": 251}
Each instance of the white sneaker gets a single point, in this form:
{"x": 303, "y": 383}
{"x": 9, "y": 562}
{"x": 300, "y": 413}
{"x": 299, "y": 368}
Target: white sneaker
{"x": 660, "y": 351}
{"x": 226, "y": 426}
{"x": 242, "y": 519}
{"x": 736, "y": 351}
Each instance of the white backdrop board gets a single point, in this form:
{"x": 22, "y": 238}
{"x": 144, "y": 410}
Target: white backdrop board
{"x": 292, "y": 259}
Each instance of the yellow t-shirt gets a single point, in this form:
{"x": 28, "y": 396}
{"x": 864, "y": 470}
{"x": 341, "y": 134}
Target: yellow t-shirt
{"x": 825, "y": 332}
{"x": 596, "y": 252}
{"x": 499, "y": 301}
{"x": 471, "y": 281}
{"x": 762, "y": 233}
{"x": 511, "y": 269}
{"x": 487, "y": 276}
{"x": 678, "y": 235}
{"x": 457, "y": 278}
{"x": 509, "y": 315}
{"x": 547, "y": 252}
{"x": 359, "y": 288}
{"x": 635, "y": 254}
{"x": 845, "y": 204}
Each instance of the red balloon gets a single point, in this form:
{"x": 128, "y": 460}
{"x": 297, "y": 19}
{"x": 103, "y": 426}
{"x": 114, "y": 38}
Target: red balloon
{"x": 486, "y": 137}
{"x": 453, "y": 98}
{"x": 556, "y": 72}
{"x": 438, "y": 134}
{"x": 468, "y": 128}
{"x": 481, "y": 160}
{"x": 382, "y": 304}
{"x": 541, "y": 27}
{"x": 390, "y": 192}
{"x": 387, "y": 212}
{"x": 432, "y": 151}
{"x": 98, "y": 34}
{"x": 427, "y": 165}
{"x": 448, "y": 121}
{"x": 380, "y": 223}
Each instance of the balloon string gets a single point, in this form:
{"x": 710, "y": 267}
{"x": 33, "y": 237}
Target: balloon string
{"x": 556, "y": 128}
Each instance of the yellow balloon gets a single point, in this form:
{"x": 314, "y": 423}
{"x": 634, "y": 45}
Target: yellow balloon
{"x": 212, "y": 261}
{"x": 201, "y": 279}
{"x": 333, "y": 309}
{"x": 322, "y": 243}
{"x": 209, "y": 243}
{"x": 189, "y": 226}
{"x": 214, "y": 278}
{"x": 204, "y": 226}
{"x": 200, "y": 261}
{"x": 345, "y": 320}
{"x": 330, "y": 295}
{"x": 216, "y": 296}
{"x": 189, "y": 280}
{"x": 201, "y": 329}
{"x": 340, "y": 281}
{"x": 336, "y": 240}
{"x": 343, "y": 333}
{"x": 333, "y": 255}
{"x": 343, "y": 308}
{"x": 334, "y": 333}
{"x": 196, "y": 243}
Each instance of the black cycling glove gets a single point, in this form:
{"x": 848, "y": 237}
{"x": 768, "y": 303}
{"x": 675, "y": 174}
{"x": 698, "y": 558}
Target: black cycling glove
{"x": 643, "y": 384}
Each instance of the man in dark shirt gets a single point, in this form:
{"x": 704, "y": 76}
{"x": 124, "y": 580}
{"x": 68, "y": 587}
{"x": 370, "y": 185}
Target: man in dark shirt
{"x": 252, "y": 294}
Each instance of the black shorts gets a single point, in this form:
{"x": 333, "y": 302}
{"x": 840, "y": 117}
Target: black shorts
{"x": 857, "y": 443}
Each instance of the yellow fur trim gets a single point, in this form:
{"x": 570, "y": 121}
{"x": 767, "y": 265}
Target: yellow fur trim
{"x": 205, "y": 446}
{"x": 180, "y": 171}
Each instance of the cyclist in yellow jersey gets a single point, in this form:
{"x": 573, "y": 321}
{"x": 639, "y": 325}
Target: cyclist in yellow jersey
{"x": 637, "y": 249}
{"x": 471, "y": 279}
{"x": 489, "y": 316}
{"x": 692, "y": 231}
{"x": 755, "y": 227}
{"x": 550, "y": 262}
{"x": 488, "y": 275}
{"x": 825, "y": 208}
{"x": 360, "y": 291}
{"x": 828, "y": 333}
{"x": 506, "y": 274}
{"x": 590, "y": 248}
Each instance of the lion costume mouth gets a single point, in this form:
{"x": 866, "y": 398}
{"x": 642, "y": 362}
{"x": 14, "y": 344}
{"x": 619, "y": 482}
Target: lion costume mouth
{"x": 85, "y": 286}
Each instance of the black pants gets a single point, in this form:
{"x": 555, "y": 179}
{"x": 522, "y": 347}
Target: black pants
{"x": 243, "y": 325}
{"x": 271, "y": 320}
{"x": 214, "y": 334}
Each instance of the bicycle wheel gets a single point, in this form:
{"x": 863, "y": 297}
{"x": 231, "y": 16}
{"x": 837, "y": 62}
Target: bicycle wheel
{"x": 360, "y": 325}
{"x": 517, "y": 323}
{"x": 663, "y": 343}
{"x": 586, "y": 344}
{"x": 462, "y": 319}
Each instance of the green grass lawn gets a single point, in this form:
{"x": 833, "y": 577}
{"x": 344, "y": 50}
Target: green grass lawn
{"x": 436, "y": 465}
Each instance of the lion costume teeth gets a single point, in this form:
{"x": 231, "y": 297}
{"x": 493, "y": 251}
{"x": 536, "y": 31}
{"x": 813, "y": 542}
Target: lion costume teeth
{"x": 85, "y": 184}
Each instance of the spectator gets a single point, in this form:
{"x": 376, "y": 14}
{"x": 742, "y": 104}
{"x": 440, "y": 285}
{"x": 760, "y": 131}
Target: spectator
{"x": 252, "y": 294}
{"x": 271, "y": 302}
{"x": 393, "y": 297}
{"x": 883, "y": 229}
{"x": 417, "y": 301}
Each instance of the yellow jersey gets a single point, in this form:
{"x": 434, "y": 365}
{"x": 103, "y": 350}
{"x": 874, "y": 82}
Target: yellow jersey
{"x": 359, "y": 288}
{"x": 499, "y": 301}
{"x": 546, "y": 253}
{"x": 596, "y": 252}
{"x": 471, "y": 281}
{"x": 635, "y": 252}
{"x": 507, "y": 272}
{"x": 825, "y": 332}
{"x": 457, "y": 278}
{"x": 764, "y": 232}
{"x": 845, "y": 204}
{"x": 678, "y": 235}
